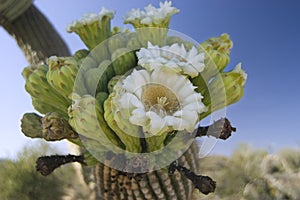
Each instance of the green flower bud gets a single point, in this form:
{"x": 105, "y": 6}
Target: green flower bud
{"x": 121, "y": 126}
{"x": 41, "y": 91}
{"x": 62, "y": 74}
{"x": 225, "y": 89}
{"x": 109, "y": 70}
{"x": 117, "y": 41}
{"x": 81, "y": 54}
{"x": 111, "y": 84}
{"x": 116, "y": 30}
{"x": 100, "y": 98}
{"x": 92, "y": 79}
{"x": 92, "y": 28}
{"x": 134, "y": 44}
{"x": 101, "y": 52}
{"x": 87, "y": 63}
{"x": 55, "y": 128}
{"x": 123, "y": 60}
{"x": 45, "y": 107}
{"x": 84, "y": 118}
{"x": 31, "y": 125}
{"x": 96, "y": 79}
{"x": 217, "y": 50}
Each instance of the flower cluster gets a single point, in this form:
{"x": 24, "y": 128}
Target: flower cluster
{"x": 134, "y": 90}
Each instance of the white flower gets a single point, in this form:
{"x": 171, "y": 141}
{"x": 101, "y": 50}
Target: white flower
{"x": 90, "y": 18}
{"x": 175, "y": 57}
{"x": 159, "y": 101}
{"x": 151, "y": 15}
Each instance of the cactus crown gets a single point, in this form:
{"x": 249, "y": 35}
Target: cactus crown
{"x": 133, "y": 92}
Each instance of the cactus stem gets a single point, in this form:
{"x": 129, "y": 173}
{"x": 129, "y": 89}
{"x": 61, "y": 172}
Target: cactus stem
{"x": 203, "y": 183}
{"x": 221, "y": 129}
{"x": 47, "y": 164}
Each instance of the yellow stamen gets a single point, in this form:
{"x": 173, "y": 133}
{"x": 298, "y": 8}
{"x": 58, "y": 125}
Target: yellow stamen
{"x": 155, "y": 95}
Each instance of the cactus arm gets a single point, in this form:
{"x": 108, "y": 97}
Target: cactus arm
{"x": 35, "y": 35}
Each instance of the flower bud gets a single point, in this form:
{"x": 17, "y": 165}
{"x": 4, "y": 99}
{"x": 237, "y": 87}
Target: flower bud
{"x": 62, "y": 74}
{"x": 45, "y": 107}
{"x": 123, "y": 60}
{"x": 96, "y": 79}
{"x": 80, "y": 54}
{"x": 117, "y": 41}
{"x": 31, "y": 125}
{"x": 217, "y": 50}
{"x": 41, "y": 91}
{"x": 225, "y": 89}
{"x": 133, "y": 42}
{"x": 121, "y": 126}
{"x": 111, "y": 84}
{"x": 55, "y": 128}
{"x": 84, "y": 118}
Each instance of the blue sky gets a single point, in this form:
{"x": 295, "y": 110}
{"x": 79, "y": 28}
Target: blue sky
{"x": 266, "y": 36}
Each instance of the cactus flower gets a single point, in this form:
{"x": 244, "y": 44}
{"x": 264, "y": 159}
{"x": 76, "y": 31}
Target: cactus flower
{"x": 151, "y": 16}
{"x": 158, "y": 104}
{"x": 175, "y": 57}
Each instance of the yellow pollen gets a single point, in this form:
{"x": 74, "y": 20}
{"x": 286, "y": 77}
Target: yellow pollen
{"x": 159, "y": 97}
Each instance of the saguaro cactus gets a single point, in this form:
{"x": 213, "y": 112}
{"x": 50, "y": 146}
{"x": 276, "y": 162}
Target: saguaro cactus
{"x": 133, "y": 106}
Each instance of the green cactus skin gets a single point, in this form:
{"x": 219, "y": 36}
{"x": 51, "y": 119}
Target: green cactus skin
{"x": 41, "y": 91}
{"x": 31, "y": 125}
{"x": 155, "y": 35}
{"x": 89, "y": 159}
{"x": 123, "y": 61}
{"x": 56, "y": 128}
